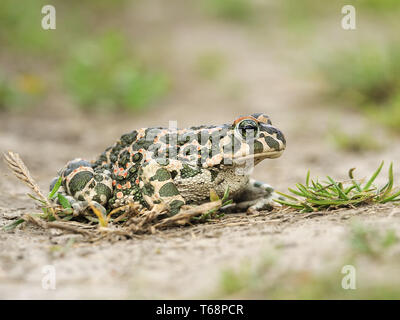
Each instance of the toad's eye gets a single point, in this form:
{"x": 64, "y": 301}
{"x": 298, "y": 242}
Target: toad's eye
{"x": 248, "y": 128}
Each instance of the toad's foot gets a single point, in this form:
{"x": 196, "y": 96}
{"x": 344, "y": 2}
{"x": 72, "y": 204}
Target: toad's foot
{"x": 256, "y": 197}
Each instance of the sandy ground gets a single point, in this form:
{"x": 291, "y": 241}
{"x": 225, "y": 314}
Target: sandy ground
{"x": 187, "y": 262}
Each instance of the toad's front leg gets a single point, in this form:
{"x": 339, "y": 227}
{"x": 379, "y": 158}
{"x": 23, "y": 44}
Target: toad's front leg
{"x": 257, "y": 196}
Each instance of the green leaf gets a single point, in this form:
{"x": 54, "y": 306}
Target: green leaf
{"x": 63, "y": 201}
{"x": 308, "y": 178}
{"x": 390, "y": 183}
{"x": 227, "y": 203}
{"x": 347, "y": 190}
{"x": 296, "y": 192}
{"x": 356, "y": 185}
{"x": 372, "y": 179}
{"x": 13, "y": 225}
{"x": 304, "y": 190}
{"x": 307, "y": 207}
{"x": 67, "y": 218}
{"x": 290, "y": 204}
{"x": 213, "y": 195}
{"x": 55, "y": 188}
{"x": 391, "y": 198}
{"x": 36, "y": 199}
{"x": 226, "y": 195}
{"x": 339, "y": 190}
{"x": 351, "y": 173}
{"x": 286, "y": 196}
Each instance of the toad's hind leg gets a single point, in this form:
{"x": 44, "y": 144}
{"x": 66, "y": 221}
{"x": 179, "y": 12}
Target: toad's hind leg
{"x": 256, "y": 197}
{"x": 160, "y": 188}
{"x": 84, "y": 185}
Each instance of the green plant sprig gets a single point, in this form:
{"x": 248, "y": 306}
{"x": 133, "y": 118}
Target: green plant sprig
{"x": 331, "y": 194}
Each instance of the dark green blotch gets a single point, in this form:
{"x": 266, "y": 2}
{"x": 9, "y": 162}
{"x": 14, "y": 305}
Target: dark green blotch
{"x": 257, "y": 184}
{"x": 214, "y": 174}
{"x": 189, "y": 172}
{"x": 128, "y": 138}
{"x": 144, "y": 203}
{"x": 103, "y": 157}
{"x": 102, "y": 189}
{"x": 174, "y": 174}
{"x": 272, "y": 130}
{"x": 79, "y": 181}
{"x": 133, "y": 170}
{"x": 142, "y": 144}
{"x": 258, "y": 147}
{"x": 113, "y": 157}
{"x": 175, "y": 206}
{"x": 272, "y": 143}
{"x": 116, "y": 149}
{"x": 137, "y": 157}
{"x": 161, "y": 175}
{"x": 162, "y": 161}
{"x": 168, "y": 190}
{"x": 124, "y": 158}
{"x": 148, "y": 189}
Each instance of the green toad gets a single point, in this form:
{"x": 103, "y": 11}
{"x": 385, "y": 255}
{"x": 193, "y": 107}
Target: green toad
{"x": 149, "y": 166}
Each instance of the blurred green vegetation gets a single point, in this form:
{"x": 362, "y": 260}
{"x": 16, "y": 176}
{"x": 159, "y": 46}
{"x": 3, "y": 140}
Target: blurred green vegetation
{"x": 83, "y": 58}
{"x": 210, "y": 64}
{"x": 234, "y": 10}
{"x": 357, "y": 142}
{"x": 365, "y": 240}
{"x": 381, "y": 5}
{"x": 369, "y": 79}
{"x": 261, "y": 280}
{"x": 369, "y": 75}
{"x": 20, "y": 92}
{"x": 300, "y": 285}
{"x": 101, "y": 72}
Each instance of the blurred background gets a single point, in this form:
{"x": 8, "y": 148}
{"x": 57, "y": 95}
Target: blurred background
{"x": 113, "y": 66}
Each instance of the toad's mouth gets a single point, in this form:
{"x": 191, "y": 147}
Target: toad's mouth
{"x": 258, "y": 157}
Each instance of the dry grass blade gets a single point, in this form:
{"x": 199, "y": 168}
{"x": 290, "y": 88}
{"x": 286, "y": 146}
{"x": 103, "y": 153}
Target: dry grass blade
{"x": 57, "y": 225}
{"x": 20, "y": 170}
